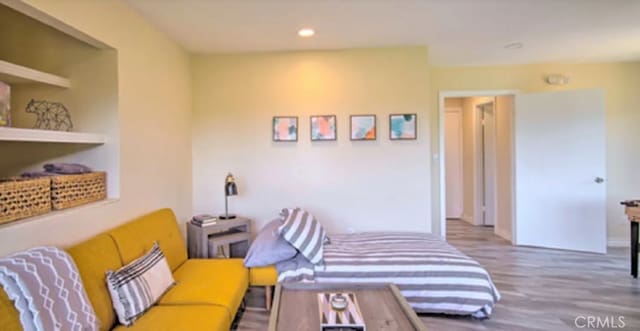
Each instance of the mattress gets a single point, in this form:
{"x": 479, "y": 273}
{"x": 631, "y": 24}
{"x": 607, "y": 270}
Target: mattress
{"x": 433, "y": 276}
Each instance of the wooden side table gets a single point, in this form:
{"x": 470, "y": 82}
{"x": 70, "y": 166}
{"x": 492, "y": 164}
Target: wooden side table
{"x": 221, "y": 233}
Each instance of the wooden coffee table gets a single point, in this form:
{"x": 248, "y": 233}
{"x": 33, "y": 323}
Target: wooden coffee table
{"x": 382, "y": 305}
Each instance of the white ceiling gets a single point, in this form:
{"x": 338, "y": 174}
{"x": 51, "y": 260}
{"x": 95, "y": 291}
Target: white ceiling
{"x": 458, "y": 32}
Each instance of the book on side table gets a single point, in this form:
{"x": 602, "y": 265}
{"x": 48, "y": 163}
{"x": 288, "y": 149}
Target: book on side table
{"x": 204, "y": 219}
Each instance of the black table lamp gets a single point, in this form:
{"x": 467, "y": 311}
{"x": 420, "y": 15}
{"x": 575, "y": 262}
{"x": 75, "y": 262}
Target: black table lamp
{"x": 230, "y": 188}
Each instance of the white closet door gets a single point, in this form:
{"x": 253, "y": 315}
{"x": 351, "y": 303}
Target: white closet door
{"x": 559, "y": 170}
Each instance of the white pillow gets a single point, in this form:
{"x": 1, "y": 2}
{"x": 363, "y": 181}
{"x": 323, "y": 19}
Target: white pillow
{"x": 304, "y": 233}
{"x": 137, "y": 286}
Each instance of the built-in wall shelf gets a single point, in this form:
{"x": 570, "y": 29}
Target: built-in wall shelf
{"x": 62, "y": 213}
{"x": 16, "y": 74}
{"x": 47, "y": 136}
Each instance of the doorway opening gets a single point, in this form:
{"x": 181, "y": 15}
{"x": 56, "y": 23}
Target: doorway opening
{"x": 548, "y": 158}
{"x": 478, "y": 160}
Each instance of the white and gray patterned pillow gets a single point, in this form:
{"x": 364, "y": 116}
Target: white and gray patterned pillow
{"x": 47, "y": 290}
{"x": 304, "y": 233}
{"x": 137, "y": 286}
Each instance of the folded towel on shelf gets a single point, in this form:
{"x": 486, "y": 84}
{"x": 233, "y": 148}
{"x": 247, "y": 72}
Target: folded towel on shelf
{"x": 67, "y": 168}
{"x": 37, "y": 174}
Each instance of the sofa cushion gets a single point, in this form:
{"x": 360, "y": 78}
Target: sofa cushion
{"x": 93, "y": 258}
{"x": 263, "y": 276}
{"x": 9, "y": 316}
{"x": 136, "y": 238}
{"x": 221, "y": 282}
{"x": 171, "y": 318}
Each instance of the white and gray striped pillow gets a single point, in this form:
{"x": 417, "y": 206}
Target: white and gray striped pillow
{"x": 304, "y": 233}
{"x": 137, "y": 286}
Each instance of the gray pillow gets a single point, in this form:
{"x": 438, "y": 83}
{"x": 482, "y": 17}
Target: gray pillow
{"x": 269, "y": 247}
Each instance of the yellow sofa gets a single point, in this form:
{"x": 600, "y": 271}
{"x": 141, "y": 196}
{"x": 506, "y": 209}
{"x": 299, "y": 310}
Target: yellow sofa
{"x": 266, "y": 277}
{"x": 207, "y": 295}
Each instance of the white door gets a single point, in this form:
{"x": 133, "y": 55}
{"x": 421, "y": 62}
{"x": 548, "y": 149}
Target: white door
{"x": 488, "y": 180}
{"x": 559, "y": 170}
{"x": 453, "y": 159}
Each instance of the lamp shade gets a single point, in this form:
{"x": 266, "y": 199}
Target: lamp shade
{"x": 230, "y": 187}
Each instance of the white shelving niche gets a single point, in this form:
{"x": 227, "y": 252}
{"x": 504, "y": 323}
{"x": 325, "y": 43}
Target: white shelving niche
{"x": 44, "y": 59}
{"x": 12, "y": 73}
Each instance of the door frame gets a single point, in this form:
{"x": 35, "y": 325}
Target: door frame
{"x": 460, "y": 166}
{"x": 441, "y": 155}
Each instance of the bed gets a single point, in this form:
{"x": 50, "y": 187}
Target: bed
{"x": 433, "y": 276}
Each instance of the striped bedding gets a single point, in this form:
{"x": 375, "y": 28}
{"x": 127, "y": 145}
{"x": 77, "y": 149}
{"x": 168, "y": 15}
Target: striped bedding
{"x": 433, "y": 276}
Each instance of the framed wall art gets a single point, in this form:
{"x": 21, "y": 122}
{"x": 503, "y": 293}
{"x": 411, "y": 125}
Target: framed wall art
{"x": 323, "y": 128}
{"x": 285, "y": 128}
{"x": 363, "y": 127}
{"x": 403, "y": 126}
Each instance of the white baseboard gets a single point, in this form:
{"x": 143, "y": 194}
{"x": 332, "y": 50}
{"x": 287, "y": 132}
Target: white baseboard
{"x": 618, "y": 242}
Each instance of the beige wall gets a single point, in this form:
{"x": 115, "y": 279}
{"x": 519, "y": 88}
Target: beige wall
{"x": 154, "y": 103}
{"x": 620, "y": 82}
{"x": 348, "y": 185}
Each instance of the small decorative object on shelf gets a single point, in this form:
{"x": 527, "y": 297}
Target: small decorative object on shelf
{"x": 340, "y": 311}
{"x": 50, "y": 115}
{"x": 5, "y": 104}
{"x": 230, "y": 188}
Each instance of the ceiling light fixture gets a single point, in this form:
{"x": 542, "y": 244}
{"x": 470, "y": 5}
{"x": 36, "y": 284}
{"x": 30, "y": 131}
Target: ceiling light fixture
{"x": 306, "y": 33}
{"x": 516, "y": 45}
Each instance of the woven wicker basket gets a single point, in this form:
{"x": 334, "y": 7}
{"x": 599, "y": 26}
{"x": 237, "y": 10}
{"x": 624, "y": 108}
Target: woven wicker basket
{"x": 21, "y": 198}
{"x": 74, "y": 190}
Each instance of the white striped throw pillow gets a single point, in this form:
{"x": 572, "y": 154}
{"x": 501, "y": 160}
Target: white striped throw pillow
{"x": 137, "y": 286}
{"x": 303, "y": 232}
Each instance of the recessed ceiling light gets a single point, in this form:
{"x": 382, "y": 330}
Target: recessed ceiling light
{"x": 516, "y": 45}
{"x": 305, "y": 33}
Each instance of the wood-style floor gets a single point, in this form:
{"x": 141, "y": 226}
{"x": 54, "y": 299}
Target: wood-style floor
{"x": 541, "y": 289}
